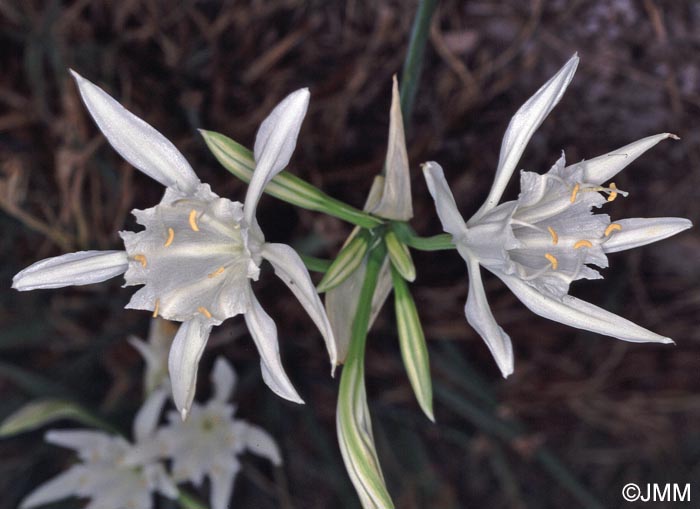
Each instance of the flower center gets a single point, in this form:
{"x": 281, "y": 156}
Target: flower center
{"x": 558, "y": 235}
{"x": 194, "y": 258}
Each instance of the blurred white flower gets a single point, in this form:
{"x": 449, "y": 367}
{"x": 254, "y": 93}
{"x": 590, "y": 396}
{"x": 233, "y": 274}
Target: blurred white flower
{"x": 198, "y": 252}
{"x": 155, "y": 353}
{"x": 209, "y": 442}
{"x": 541, "y": 242}
{"x": 102, "y": 475}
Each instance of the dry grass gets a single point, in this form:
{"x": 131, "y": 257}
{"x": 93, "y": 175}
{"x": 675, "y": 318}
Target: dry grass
{"x": 613, "y": 412}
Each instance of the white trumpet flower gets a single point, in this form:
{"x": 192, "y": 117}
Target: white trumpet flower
{"x": 209, "y": 443}
{"x": 103, "y": 474}
{"x": 198, "y": 252}
{"x": 541, "y": 242}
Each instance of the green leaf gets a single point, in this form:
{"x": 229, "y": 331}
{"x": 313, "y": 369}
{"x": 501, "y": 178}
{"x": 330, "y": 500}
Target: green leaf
{"x": 414, "y": 350}
{"x": 353, "y": 419}
{"x": 287, "y": 187}
{"x": 38, "y": 413}
{"x": 349, "y": 258}
{"x": 400, "y": 256}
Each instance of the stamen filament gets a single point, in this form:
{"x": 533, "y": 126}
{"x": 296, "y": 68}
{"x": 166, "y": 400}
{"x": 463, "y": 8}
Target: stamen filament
{"x": 171, "y": 237}
{"x": 156, "y": 309}
{"x": 574, "y": 192}
{"x": 193, "y": 220}
{"x": 141, "y": 259}
{"x": 611, "y": 228}
{"x": 552, "y": 260}
{"x": 216, "y": 272}
{"x": 204, "y": 311}
{"x": 583, "y": 243}
{"x": 555, "y": 237}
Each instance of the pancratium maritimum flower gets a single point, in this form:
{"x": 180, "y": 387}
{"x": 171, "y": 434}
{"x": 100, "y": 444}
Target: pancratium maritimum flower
{"x": 210, "y": 441}
{"x": 103, "y": 474}
{"x": 541, "y": 242}
{"x": 198, "y": 252}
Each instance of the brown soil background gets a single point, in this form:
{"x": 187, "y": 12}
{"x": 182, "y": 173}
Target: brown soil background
{"x": 612, "y": 412}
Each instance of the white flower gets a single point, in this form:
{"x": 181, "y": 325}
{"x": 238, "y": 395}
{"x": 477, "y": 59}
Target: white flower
{"x": 103, "y": 475}
{"x": 199, "y": 252}
{"x": 541, "y": 242}
{"x": 209, "y": 442}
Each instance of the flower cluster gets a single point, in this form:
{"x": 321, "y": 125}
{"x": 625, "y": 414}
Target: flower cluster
{"x": 114, "y": 473}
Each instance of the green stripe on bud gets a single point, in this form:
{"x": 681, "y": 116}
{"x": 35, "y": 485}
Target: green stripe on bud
{"x": 400, "y": 256}
{"x": 287, "y": 187}
{"x": 414, "y": 351}
{"x": 349, "y": 258}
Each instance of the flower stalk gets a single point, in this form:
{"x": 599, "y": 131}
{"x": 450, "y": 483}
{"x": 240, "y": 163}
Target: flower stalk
{"x": 238, "y": 160}
{"x": 353, "y": 419}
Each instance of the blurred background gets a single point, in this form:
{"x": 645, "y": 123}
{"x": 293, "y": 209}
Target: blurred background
{"x": 581, "y": 416}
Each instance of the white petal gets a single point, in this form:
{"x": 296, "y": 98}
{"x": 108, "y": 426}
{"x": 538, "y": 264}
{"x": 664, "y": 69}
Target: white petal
{"x": 79, "y": 440}
{"x": 396, "y": 202}
{"x": 641, "y": 231}
{"x": 224, "y": 379}
{"x": 264, "y": 332}
{"x": 185, "y": 352}
{"x": 160, "y": 481}
{"x": 602, "y": 168}
{"x": 290, "y": 269}
{"x": 521, "y": 128}
{"x": 135, "y": 140}
{"x": 445, "y": 205}
{"x": 274, "y": 144}
{"x": 81, "y": 268}
{"x": 222, "y": 479}
{"x": 147, "y": 418}
{"x": 341, "y": 304}
{"x": 260, "y": 442}
{"x": 480, "y": 317}
{"x": 62, "y": 486}
{"x": 578, "y": 313}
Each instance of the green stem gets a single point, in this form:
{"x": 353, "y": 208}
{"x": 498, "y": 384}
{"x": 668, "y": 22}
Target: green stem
{"x": 360, "y": 324}
{"x": 440, "y": 242}
{"x": 414, "y": 57}
{"x": 187, "y": 501}
{"x": 315, "y": 264}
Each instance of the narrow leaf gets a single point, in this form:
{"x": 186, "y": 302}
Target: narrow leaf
{"x": 414, "y": 350}
{"x": 41, "y": 412}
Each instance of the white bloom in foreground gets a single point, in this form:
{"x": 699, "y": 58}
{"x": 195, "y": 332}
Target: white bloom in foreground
{"x": 102, "y": 475}
{"x": 199, "y": 252}
{"x": 541, "y": 242}
{"x": 209, "y": 442}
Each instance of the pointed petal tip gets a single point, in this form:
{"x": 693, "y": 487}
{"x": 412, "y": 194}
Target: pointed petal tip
{"x": 183, "y": 414}
{"x": 506, "y": 371}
